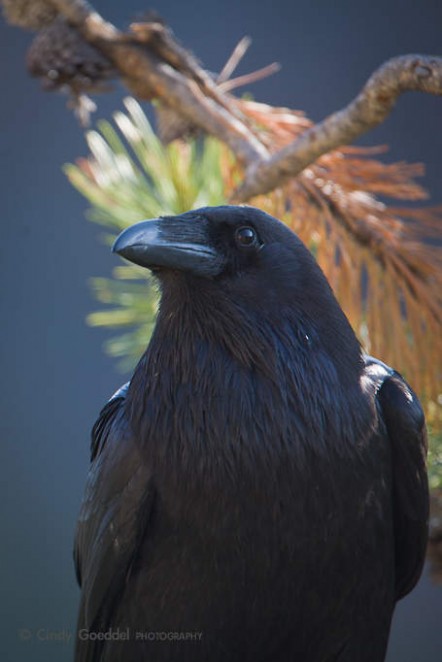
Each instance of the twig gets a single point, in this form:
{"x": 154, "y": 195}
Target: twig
{"x": 235, "y": 58}
{"x": 252, "y": 77}
{"x": 370, "y": 108}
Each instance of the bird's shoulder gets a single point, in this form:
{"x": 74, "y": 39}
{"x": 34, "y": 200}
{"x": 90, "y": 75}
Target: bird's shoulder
{"x": 105, "y": 419}
{"x": 400, "y": 408}
{"x": 394, "y": 394}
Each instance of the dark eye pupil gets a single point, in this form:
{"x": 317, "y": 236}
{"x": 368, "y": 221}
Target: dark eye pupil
{"x": 245, "y": 236}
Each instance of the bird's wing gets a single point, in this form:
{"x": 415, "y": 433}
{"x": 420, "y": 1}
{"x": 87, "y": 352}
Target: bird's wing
{"x": 405, "y": 424}
{"x": 113, "y": 520}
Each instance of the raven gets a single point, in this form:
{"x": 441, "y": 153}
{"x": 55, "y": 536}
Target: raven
{"x": 258, "y": 490}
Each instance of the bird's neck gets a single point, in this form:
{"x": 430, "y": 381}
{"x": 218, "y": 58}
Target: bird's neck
{"x": 196, "y": 323}
{"x": 219, "y": 371}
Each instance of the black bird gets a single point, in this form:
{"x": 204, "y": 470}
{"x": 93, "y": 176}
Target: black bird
{"x": 258, "y": 490}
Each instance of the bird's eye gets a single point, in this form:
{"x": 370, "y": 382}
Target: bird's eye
{"x": 246, "y": 236}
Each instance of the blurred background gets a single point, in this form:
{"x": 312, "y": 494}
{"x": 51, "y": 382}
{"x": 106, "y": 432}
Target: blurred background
{"x": 55, "y": 374}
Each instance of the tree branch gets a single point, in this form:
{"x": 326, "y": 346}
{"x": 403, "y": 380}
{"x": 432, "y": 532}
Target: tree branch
{"x": 373, "y": 104}
{"x": 153, "y": 65}
{"x": 81, "y": 14}
{"x": 147, "y": 76}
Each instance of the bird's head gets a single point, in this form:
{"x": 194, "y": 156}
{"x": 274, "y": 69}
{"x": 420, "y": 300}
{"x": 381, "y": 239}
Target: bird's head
{"x": 242, "y": 252}
{"x": 215, "y": 257}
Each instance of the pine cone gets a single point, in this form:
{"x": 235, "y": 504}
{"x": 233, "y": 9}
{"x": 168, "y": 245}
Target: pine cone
{"x": 61, "y": 57}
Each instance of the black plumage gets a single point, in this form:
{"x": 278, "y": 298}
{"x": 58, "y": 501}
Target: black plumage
{"x": 258, "y": 490}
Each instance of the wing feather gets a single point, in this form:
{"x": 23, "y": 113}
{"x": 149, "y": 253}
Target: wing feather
{"x": 113, "y": 521}
{"x": 405, "y": 424}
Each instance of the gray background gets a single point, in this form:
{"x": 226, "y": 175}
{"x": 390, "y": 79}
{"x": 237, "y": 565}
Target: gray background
{"x": 55, "y": 376}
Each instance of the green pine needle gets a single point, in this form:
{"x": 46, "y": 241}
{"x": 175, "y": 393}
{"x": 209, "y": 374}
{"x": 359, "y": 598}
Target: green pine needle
{"x": 128, "y": 176}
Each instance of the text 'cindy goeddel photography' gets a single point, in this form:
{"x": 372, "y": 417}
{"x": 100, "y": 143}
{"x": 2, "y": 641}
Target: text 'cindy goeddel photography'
{"x": 66, "y": 636}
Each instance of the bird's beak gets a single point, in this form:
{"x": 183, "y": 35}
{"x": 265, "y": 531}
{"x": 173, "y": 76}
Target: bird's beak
{"x": 170, "y": 243}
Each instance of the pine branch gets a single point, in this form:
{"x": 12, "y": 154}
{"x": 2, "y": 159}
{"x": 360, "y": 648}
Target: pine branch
{"x": 417, "y": 73}
{"x": 153, "y": 65}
